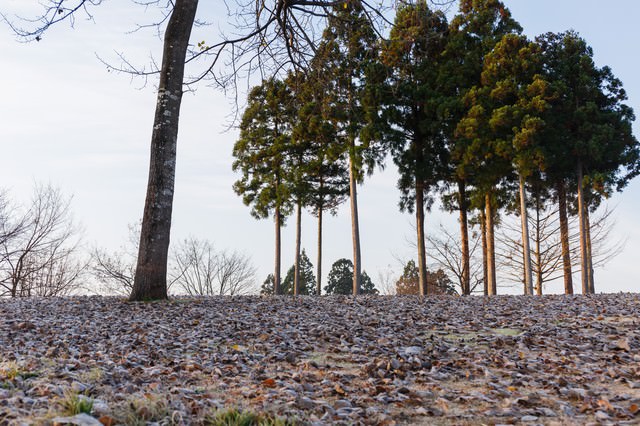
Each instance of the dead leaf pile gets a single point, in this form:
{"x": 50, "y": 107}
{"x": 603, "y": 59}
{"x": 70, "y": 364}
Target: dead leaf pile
{"x": 365, "y": 360}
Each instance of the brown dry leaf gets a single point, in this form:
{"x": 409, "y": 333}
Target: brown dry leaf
{"x": 269, "y": 383}
{"x": 605, "y": 404}
{"x": 194, "y": 355}
{"x": 442, "y": 404}
{"x": 107, "y": 421}
{"x": 623, "y": 344}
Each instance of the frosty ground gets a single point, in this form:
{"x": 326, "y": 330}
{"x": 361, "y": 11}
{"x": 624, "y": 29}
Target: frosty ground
{"x": 326, "y": 360}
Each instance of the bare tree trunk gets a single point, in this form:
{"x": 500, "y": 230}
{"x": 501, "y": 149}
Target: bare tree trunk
{"x": 485, "y": 263}
{"x": 319, "y": 267}
{"x": 464, "y": 236}
{"x": 526, "y": 249}
{"x": 422, "y": 259}
{"x": 538, "y": 253}
{"x": 276, "y": 273}
{"x": 584, "y": 263}
{"x": 564, "y": 237}
{"x": 355, "y": 228}
{"x": 151, "y": 271}
{"x": 592, "y": 289}
{"x": 296, "y": 268}
{"x": 491, "y": 250}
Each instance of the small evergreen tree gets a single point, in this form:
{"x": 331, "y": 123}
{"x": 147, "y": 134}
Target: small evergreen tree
{"x": 267, "y": 285}
{"x": 340, "y": 280}
{"x": 307, "y": 279}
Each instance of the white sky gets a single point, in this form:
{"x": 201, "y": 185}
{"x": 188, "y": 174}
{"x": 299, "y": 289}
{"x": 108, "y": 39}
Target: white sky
{"x": 65, "y": 120}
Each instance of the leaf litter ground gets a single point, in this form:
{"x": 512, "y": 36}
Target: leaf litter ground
{"x": 328, "y": 360}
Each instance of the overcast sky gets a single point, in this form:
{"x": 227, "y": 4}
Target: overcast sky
{"x": 65, "y": 120}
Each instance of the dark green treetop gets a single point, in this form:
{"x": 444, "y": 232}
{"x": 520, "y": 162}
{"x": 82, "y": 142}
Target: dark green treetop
{"x": 307, "y": 279}
{"x": 261, "y": 152}
{"x": 504, "y": 123}
{"x": 340, "y": 279}
{"x": 326, "y": 169}
{"x": 587, "y": 119}
{"x": 414, "y": 57}
{"x": 347, "y": 61}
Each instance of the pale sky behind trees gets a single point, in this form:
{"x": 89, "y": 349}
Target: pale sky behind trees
{"x": 65, "y": 120}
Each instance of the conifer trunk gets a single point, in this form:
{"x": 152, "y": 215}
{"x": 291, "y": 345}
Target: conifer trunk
{"x": 485, "y": 264}
{"x": 584, "y": 263}
{"x": 537, "y": 250}
{"x": 319, "y": 267}
{"x": 150, "y": 280}
{"x": 491, "y": 251}
{"x": 422, "y": 259}
{"x": 355, "y": 226}
{"x": 564, "y": 237}
{"x": 276, "y": 273}
{"x": 526, "y": 248}
{"x": 296, "y": 268}
{"x": 592, "y": 289}
{"x": 464, "y": 237}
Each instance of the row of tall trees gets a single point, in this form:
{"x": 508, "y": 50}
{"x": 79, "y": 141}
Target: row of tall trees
{"x": 470, "y": 110}
{"x": 265, "y": 36}
{"x": 583, "y": 101}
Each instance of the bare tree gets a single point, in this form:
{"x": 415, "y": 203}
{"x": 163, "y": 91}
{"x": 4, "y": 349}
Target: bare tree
{"x": 10, "y": 226}
{"x": 40, "y": 259}
{"x": 387, "y": 281}
{"x": 115, "y": 271}
{"x": 447, "y": 252}
{"x": 200, "y": 270}
{"x": 547, "y": 258}
{"x": 59, "y": 275}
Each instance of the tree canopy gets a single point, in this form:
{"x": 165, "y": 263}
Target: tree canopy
{"x": 340, "y": 279}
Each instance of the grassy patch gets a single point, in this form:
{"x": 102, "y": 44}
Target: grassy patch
{"x": 95, "y": 375}
{"x": 507, "y": 331}
{"x": 326, "y": 358}
{"x": 73, "y": 403}
{"x": 139, "y": 410}
{"x": 235, "y": 417}
{"x": 11, "y": 370}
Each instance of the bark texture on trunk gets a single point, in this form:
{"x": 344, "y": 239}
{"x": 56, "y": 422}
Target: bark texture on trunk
{"x": 150, "y": 280}
{"x": 296, "y": 267}
{"x": 491, "y": 251}
{"x": 587, "y": 222}
{"x": 537, "y": 249}
{"x": 319, "y": 267}
{"x": 584, "y": 263}
{"x": 564, "y": 237}
{"x": 422, "y": 258}
{"x": 464, "y": 237}
{"x": 526, "y": 248}
{"x": 485, "y": 263}
{"x": 276, "y": 272}
{"x": 355, "y": 229}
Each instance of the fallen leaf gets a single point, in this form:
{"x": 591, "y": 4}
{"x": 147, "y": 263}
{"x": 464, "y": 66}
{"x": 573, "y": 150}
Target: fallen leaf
{"x": 107, "y": 421}
{"x": 269, "y": 383}
{"x": 623, "y": 344}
